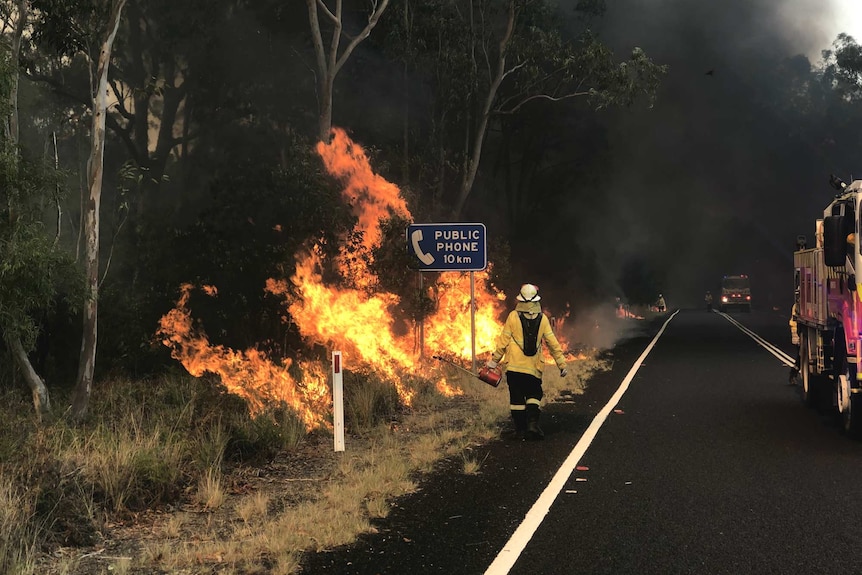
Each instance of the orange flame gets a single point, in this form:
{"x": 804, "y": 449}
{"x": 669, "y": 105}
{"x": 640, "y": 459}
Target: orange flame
{"x": 349, "y": 320}
{"x": 370, "y": 195}
{"x": 249, "y": 373}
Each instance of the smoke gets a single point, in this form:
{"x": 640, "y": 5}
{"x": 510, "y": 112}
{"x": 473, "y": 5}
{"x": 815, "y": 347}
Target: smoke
{"x": 601, "y": 327}
{"x": 710, "y": 181}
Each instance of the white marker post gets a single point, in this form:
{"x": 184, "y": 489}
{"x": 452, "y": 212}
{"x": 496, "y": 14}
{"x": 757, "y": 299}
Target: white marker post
{"x": 337, "y": 401}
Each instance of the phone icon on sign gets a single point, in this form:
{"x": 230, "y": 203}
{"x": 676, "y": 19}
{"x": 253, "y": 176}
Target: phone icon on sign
{"x": 415, "y": 238}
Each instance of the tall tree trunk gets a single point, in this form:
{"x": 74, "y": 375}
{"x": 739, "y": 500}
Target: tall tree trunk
{"x": 87, "y": 362}
{"x": 329, "y": 62}
{"x": 405, "y": 168}
{"x": 479, "y": 138}
{"x": 41, "y": 399}
{"x": 16, "y": 50}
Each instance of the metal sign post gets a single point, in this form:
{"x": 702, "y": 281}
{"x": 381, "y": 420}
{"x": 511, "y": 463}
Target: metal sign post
{"x": 450, "y": 248}
{"x": 337, "y": 401}
{"x": 473, "y": 319}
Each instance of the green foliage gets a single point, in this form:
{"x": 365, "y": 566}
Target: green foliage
{"x": 454, "y": 50}
{"x": 819, "y": 105}
{"x": 549, "y": 66}
{"x": 842, "y": 69}
{"x": 591, "y": 8}
{"x": 260, "y": 438}
{"x": 7, "y": 78}
{"x": 34, "y": 272}
{"x": 257, "y": 220}
{"x": 69, "y": 27}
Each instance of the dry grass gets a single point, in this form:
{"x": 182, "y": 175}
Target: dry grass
{"x": 127, "y": 461}
{"x": 199, "y": 461}
{"x": 253, "y": 508}
{"x": 19, "y": 539}
{"x": 470, "y": 465}
{"x": 122, "y": 566}
{"x": 210, "y": 494}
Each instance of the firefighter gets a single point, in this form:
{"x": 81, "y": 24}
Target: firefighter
{"x": 520, "y": 341}
{"x": 660, "y": 305}
{"x": 708, "y": 299}
{"x": 794, "y": 339}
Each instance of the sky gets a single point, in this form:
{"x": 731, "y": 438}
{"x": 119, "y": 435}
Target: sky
{"x": 840, "y": 16}
{"x": 708, "y": 182}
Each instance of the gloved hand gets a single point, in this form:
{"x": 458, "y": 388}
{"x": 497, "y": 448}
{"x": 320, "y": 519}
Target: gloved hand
{"x": 564, "y": 372}
{"x": 491, "y": 364}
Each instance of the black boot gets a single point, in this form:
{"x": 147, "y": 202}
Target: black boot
{"x": 534, "y": 432}
{"x": 519, "y": 419}
{"x": 794, "y": 376}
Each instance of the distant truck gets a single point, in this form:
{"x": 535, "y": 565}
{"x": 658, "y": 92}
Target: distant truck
{"x": 735, "y": 293}
{"x": 828, "y": 317}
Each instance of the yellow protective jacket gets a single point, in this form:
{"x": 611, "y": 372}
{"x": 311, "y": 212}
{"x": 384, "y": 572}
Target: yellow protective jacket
{"x": 511, "y": 343}
{"x": 794, "y": 332}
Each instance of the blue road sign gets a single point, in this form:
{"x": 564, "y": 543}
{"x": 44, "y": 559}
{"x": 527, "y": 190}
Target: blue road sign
{"x": 448, "y": 247}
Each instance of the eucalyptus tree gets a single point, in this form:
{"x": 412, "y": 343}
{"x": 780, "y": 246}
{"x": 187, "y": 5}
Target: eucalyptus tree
{"x": 84, "y": 32}
{"x": 841, "y": 82}
{"x": 842, "y": 68}
{"x": 87, "y": 366}
{"x": 492, "y": 59}
{"x": 330, "y": 59}
{"x": 162, "y": 55}
{"x": 819, "y": 105}
{"x": 34, "y": 271}
{"x": 15, "y": 16}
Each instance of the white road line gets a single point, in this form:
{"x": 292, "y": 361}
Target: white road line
{"x": 522, "y": 535}
{"x": 774, "y": 350}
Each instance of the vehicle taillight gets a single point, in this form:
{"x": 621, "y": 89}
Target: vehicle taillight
{"x": 748, "y": 297}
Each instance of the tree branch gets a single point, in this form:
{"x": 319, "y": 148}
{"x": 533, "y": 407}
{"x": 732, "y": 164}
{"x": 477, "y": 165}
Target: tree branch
{"x": 520, "y": 104}
{"x": 316, "y": 37}
{"x": 111, "y": 251}
{"x": 121, "y": 108}
{"x": 327, "y": 12}
{"x": 372, "y": 22}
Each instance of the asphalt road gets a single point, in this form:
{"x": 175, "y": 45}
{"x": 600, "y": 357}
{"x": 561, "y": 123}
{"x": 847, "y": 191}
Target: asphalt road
{"x": 709, "y": 463}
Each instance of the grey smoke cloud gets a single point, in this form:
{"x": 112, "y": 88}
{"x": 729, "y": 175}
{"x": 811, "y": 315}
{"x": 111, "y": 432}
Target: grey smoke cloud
{"x": 709, "y": 182}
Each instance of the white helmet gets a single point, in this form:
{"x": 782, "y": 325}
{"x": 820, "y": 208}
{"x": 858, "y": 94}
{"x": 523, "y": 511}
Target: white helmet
{"x": 528, "y": 292}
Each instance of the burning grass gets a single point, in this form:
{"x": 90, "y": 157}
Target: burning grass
{"x": 177, "y": 477}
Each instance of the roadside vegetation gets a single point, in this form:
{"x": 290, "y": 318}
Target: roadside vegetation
{"x": 175, "y": 477}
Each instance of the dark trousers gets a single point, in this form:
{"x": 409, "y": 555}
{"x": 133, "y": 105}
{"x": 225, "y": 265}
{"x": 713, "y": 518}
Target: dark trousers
{"x": 523, "y": 387}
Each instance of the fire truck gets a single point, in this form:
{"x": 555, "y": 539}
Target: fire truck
{"x": 735, "y": 293}
{"x": 828, "y": 302}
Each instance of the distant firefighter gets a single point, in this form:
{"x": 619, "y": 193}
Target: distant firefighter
{"x": 794, "y": 340}
{"x": 660, "y": 304}
{"x": 708, "y": 299}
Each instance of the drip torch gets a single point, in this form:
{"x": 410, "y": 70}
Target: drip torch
{"x": 491, "y": 376}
